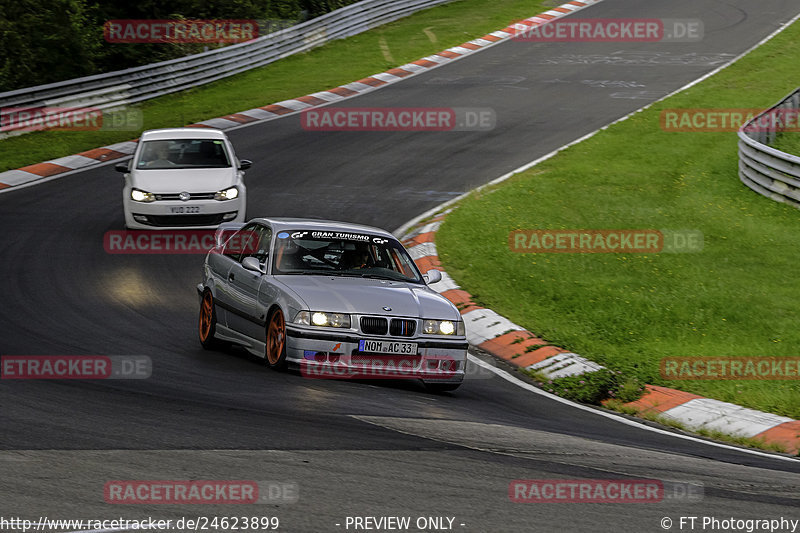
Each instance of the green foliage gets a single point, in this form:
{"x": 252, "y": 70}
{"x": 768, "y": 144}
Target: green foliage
{"x": 788, "y": 142}
{"x": 630, "y": 311}
{"x": 335, "y": 63}
{"x": 45, "y": 41}
{"x": 315, "y": 8}
{"x": 594, "y": 387}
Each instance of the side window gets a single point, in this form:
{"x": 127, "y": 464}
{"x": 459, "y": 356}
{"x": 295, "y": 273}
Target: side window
{"x": 258, "y": 246}
{"x": 243, "y": 241}
{"x": 401, "y": 264}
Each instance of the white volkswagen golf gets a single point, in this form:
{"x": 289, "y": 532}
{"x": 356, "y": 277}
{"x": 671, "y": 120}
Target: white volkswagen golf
{"x": 183, "y": 177}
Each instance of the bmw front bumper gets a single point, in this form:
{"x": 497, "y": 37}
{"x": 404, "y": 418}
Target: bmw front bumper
{"x": 326, "y": 354}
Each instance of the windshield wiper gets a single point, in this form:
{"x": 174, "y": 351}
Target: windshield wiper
{"x": 378, "y": 276}
{"x": 353, "y": 275}
{"x": 346, "y": 275}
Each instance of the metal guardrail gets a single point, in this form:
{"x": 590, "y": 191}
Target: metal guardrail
{"x": 764, "y": 169}
{"x": 125, "y": 87}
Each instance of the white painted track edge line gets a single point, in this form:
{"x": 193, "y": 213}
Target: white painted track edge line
{"x": 430, "y": 212}
{"x": 294, "y": 112}
{"x": 422, "y": 70}
{"x": 402, "y": 230}
{"x": 527, "y": 386}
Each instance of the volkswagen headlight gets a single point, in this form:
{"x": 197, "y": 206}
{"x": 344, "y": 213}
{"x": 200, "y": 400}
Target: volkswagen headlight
{"x": 142, "y": 196}
{"x": 227, "y": 194}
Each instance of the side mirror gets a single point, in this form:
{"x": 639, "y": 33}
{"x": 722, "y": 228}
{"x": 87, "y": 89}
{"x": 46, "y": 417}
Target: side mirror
{"x": 122, "y": 167}
{"x": 252, "y": 264}
{"x": 433, "y": 276}
{"x": 244, "y": 164}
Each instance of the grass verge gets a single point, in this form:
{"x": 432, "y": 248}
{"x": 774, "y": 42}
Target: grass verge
{"x": 788, "y": 142}
{"x": 331, "y": 65}
{"x": 628, "y": 311}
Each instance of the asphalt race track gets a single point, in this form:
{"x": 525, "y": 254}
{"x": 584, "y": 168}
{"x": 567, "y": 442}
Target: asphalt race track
{"x": 353, "y": 448}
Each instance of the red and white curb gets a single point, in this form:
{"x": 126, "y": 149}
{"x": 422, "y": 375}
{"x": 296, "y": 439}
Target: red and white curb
{"x": 522, "y": 348}
{"x": 497, "y": 335}
{"x": 48, "y": 170}
{"x": 485, "y": 328}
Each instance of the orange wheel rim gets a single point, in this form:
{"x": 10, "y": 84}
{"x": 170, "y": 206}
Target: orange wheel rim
{"x": 206, "y": 312}
{"x": 275, "y": 338}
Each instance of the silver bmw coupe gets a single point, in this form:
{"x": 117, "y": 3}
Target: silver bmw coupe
{"x": 332, "y": 299}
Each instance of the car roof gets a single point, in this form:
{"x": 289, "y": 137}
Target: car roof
{"x": 181, "y": 133}
{"x": 286, "y": 223}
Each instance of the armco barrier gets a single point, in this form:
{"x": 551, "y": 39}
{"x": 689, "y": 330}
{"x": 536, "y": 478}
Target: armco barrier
{"x": 124, "y": 87}
{"x": 764, "y": 169}
{"x": 46, "y": 170}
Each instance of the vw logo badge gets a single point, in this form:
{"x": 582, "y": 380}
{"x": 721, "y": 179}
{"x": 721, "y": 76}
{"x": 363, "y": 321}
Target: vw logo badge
{"x": 387, "y": 308}
{"x": 184, "y": 196}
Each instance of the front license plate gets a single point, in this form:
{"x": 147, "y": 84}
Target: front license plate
{"x": 398, "y": 348}
{"x": 185, "y": 210}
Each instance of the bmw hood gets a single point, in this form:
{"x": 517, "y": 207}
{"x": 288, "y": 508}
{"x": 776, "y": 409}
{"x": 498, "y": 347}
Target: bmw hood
{"x": 184, "y": 179}
{"x": 366, "y": 296}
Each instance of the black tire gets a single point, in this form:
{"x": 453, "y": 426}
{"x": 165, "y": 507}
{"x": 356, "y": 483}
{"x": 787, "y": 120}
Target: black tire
{"x": 275, "y": 346}
{"x": 207, "y": 323}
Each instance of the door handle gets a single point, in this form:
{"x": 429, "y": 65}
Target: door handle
{"x": 230, "y": 277}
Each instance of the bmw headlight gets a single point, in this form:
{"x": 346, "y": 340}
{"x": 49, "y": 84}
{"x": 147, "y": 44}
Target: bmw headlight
{"x": 142, "y": 196}
{"x": 227, "y": 194}
{"x": 443, "y": 327}
{"x": 321, "y": 319}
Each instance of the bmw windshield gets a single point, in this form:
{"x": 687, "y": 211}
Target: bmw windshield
{"x": 342, "y": 254}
